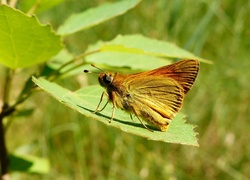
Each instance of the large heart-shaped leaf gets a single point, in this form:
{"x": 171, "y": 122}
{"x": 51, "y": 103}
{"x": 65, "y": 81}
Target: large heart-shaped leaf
{"x": 24, "y": 41}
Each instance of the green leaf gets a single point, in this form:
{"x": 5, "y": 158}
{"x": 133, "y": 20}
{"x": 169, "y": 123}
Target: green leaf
{"x": 129, "y": 60}
{"x": 28, "y": 163}
{"x": 95, "y": 16}
{"x": 24, "y": 41}
{"x": 138, "y": 44}
{"x": 85, "y": 101}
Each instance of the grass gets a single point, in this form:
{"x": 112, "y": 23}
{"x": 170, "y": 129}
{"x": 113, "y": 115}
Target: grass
{"x": 80, "y": 148}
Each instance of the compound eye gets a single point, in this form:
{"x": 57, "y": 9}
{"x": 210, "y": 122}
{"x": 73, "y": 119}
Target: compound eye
{"x": 107, "y": 79}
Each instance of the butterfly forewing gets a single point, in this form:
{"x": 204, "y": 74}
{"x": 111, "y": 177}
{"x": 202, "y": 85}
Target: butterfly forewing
{"x": 184, "y": 72}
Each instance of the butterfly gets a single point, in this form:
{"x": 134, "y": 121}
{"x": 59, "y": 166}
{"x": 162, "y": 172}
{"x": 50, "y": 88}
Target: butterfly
{"x": 154, "y": 96}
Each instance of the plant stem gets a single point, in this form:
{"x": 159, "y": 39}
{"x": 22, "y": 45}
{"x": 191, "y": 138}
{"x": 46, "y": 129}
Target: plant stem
{"x": 56, "y": 72}
{"x": 4, "y": 1}
{"x": 4, "y": 162}
{"x": 34, "y": 7}
{"x": 5, "y": 111}
{"x": 13, "y": 3}
{"x": 67, "y": 71}
{"x": 6, "y": 91}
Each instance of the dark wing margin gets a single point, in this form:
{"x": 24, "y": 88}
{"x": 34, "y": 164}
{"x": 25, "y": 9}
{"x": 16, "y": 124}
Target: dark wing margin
{"x": 184, "y": 72}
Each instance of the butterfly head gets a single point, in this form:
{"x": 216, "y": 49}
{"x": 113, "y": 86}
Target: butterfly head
{"x": 105, "y": 79}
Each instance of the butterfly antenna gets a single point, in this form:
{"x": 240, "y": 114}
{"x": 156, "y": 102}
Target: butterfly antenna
{"x": 87, "y": 71}
{"x": 96, "y": 67}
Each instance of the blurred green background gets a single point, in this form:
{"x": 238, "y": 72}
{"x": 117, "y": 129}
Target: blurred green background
{"x": 81, "y": 148}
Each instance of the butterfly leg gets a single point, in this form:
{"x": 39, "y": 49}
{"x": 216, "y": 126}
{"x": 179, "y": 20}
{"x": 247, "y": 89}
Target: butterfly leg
{"x": 100, "y": 104}
{"x": 113, "y": 113}
{"x": 141, "y": 120}
{"x": 102, "y": 108}
{"x": 132, "y": 117}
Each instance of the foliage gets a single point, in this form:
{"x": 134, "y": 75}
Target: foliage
{"x": 24, "y": 41}
{"x": 83, "y": 148}
{"x": 28, "y": 43}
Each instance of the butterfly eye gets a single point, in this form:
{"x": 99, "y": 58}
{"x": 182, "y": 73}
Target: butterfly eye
{"x": 107, "y": 79}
